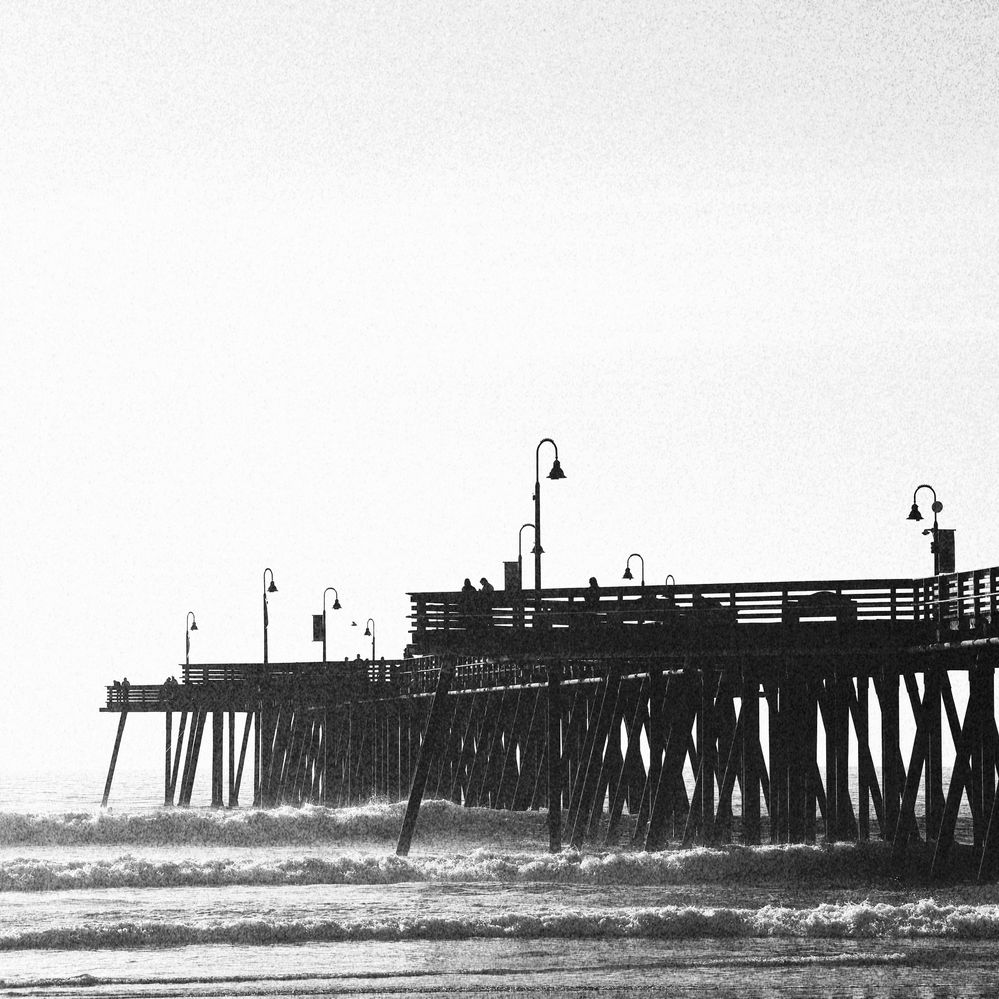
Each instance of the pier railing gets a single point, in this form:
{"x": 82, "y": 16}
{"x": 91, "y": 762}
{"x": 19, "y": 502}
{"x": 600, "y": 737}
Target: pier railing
{"x": 244, "y": 683}
{"x": 964, "y": 601}
{"x": 942, "y": 608}
{"x": 918, "y": 609}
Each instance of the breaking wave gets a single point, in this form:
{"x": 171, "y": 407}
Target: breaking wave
{"x": 308, "y": 824}
{"x": 864, "y": 920}
{"x": 861, "y": 863}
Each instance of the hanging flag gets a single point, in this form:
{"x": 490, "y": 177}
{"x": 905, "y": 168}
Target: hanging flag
{"x": 317, "y": 628}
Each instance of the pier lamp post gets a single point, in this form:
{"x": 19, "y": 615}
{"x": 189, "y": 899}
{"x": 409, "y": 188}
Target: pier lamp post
{"x": 336, "y": 606}
{"x": 369, "y": 630}
{"x": 627, "y": 567}
{"x": 520, "y": 557}
{"x": 555, "y": 473}
{"x": 943, "y": 560}
{"x": 267, "y": 589}
{"x": 190, "y": 624}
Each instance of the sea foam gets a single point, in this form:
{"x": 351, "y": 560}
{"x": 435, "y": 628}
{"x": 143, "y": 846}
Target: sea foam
{"x": 845, "y": 864}
{"x": 864, "y": 920}
{"x": 308, "y": 824}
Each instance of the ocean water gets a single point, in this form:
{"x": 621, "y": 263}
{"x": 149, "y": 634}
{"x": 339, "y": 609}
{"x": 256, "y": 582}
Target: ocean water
{"x": 148, "y": 901}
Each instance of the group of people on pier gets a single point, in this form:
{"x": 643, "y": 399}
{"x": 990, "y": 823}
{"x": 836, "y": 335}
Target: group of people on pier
{"x": 475, "y": 607}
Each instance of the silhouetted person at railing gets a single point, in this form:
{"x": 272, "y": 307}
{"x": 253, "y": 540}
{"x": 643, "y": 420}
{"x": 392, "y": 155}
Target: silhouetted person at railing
{"x": 590, "y": 618}
{"x": 591, "y": 601}
{"x": 487, "y": 594}
{"x": 468, "y": 602}
{"x": 125, "y": 687}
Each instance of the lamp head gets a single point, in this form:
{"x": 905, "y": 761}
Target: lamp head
{"x": 194, "y": 626}
{"x": 556, "y": 472}
{"x": 537, "y": 550}
{"x": 914, "y": 513}
{"x": 336, "y": 603}
{"x": 367, "y": 631}
{"x": 627, "y": 573}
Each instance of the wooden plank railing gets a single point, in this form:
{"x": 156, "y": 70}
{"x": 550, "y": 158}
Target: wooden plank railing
{"x": 965, "y": 601}
{"x": 955, "y": 602}
{"x": 140, "y": 696}
{"x": 356, "y": 671}
{"x": 246, "y": 681}
{"x": 740, "y": 603}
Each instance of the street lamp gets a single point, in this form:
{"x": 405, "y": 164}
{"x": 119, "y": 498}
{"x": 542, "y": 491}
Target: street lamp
{"x": 520, "y": 557}
{"x": 942, "y": 561}
{"x": 369, "y": 629}
{"x": 336, "y": 606}
{"x": 267, "y": 589}
{"x": 189, "y": 625}
{"x": 555, "y": 473}
{"x": 627, "y": 567}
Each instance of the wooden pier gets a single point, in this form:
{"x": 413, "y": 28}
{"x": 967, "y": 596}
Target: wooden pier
{"x": 697, "y": 713}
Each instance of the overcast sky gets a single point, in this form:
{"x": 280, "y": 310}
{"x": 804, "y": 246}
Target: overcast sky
{"x": 303, "y": 285}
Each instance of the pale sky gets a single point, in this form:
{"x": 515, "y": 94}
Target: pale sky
{"x": 303, "y": 285}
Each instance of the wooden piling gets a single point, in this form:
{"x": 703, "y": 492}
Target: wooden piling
{"x": 892, "y": 775}
{"x": 860, "y": 724}
{"x": 114, "y": 758}
{"x": 554, "y": 753}
{"x": 232, "y": 758}
{"x": 217, "y": 740}
{"x": 178, "y": 753}
{"x": 431, "y": 740}
{"x": 750, "y": 757}
{"x": 237, "y": 780}
{"x": 168, "y": 760}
